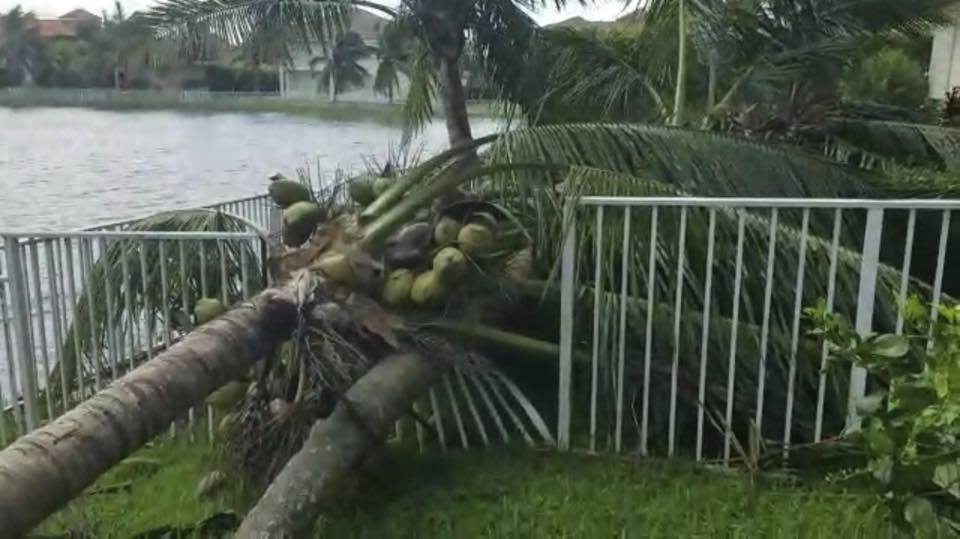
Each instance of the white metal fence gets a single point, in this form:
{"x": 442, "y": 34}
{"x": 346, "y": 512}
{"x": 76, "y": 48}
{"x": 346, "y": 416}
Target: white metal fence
{"x": 78, "y": 309}
{"x": 685, "y": 332}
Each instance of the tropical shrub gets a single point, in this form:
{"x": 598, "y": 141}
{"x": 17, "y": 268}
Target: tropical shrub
{"x": 910, "y": 434}
{"x": 889, "y": 77}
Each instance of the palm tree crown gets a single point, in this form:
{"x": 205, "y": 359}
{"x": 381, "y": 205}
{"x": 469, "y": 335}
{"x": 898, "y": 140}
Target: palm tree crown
{"x": 341, "y": 67}
{"x": 20, "y": 45}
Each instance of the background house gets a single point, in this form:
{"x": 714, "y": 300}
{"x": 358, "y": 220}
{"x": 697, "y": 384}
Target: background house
{"x": 945, "y": 61}
{"x": 68, "y": 24}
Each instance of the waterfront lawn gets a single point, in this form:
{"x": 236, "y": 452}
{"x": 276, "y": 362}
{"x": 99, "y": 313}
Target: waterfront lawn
{"x": 497, "y": 493}
{"x": 321, "y": 108}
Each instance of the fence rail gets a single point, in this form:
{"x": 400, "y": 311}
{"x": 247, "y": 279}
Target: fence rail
{"x": 691, "y": 334}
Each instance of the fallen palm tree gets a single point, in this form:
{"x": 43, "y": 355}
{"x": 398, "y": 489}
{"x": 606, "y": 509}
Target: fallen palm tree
{"x": 395, "y": 273}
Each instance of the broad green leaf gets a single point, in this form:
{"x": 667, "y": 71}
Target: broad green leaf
{"x": 879, "y": 442}
{"x": 889, "y": 346}
{"x": 882, "y": 469}
{"x": 912, "y": 396}
{"x": 947, "y": 477}
{"x": 920, "y": 514}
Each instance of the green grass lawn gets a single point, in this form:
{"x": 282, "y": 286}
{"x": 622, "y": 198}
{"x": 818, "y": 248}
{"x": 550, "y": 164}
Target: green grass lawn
{"x": 499, "y": 493}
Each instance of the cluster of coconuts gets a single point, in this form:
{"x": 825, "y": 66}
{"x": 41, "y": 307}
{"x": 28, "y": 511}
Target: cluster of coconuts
{"x": 453, "y": 244}
{"x": 301, "y": 214}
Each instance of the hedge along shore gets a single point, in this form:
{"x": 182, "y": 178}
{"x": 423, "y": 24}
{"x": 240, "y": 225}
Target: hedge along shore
{"x": 135, "y": 100}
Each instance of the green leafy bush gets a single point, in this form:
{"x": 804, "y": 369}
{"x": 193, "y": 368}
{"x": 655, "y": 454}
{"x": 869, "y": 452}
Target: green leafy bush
{"x": 910, "y": 433}
{"x": 889, "y": 77}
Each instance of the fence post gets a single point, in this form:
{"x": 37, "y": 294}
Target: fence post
{"x": 21, "y": 328}
{"x": 275, "y": 226}
{"x": 866, "y": 297}
{"x": 567, "y": 293}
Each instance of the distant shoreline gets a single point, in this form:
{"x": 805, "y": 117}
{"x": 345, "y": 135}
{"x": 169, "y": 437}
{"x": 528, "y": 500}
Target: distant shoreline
{"x": 139, "y": 100}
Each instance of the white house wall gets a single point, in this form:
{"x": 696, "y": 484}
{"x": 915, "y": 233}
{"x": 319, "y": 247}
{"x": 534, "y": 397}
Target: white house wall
{"x": 945, "y": 61}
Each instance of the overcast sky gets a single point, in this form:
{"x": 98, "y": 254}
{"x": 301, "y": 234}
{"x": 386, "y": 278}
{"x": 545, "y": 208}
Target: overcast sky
{"x": 53, "y": 8}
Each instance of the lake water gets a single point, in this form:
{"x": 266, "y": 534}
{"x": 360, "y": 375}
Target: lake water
{"x": 67, "y": 168}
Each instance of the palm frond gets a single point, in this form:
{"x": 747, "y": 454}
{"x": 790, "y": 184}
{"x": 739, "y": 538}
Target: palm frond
{"x": 307, "y": 22}
{"x": 501, "y": 40}
{"x": 686, "y": 159}
{"x": 418, "y": 108}
{"x": 588, "y": 70}
{"x": 903, "y": 143}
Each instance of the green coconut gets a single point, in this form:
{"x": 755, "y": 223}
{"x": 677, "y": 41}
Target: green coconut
{"x": 207, "y": 309}
{"x": 396, "y": 291}
{"x": 288, "y": 192}
{"x": 427, "y": 288}
{"x": 475, "y": 239}
{"x": 381, "y": 185}
{"x": 336, "y": 267}
{"x": 450, "y": 264}
{"x": 228, "y": 396}
{"x": 299, "y": 222}
{"x": 446, "y": 230}
{"x": 362, "y": 190}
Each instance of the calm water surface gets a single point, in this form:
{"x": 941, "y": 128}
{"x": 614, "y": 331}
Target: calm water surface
{"x": 67, "y": 168}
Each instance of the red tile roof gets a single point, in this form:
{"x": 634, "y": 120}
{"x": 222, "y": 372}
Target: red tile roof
{"x": 80, "y": 15}
{"x": 55, "y": 28}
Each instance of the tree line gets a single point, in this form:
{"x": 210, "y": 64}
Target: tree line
{"x": 124, "y": 52}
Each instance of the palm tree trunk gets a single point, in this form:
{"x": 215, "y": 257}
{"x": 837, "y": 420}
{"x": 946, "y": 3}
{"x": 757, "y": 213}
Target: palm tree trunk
{"x": 712, "y": 82}
{"x": 42, "y": 471}
{"x": 337, "y": 446}
{"x": 116, "y": 71}
{"x": 333, "y": 85}
{"x": 679, "y": 99}
{"x": 454, "y": 103}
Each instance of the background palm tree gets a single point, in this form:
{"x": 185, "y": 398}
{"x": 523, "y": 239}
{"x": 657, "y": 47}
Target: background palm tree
{"x": 342, "y": 70}
{"x": 394, "y": 53}
{"x": 125, "y": 39}
{"x": 21, "y": 47}
{"x": 741, "y": 53}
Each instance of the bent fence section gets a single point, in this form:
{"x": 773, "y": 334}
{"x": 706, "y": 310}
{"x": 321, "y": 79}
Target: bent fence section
{"x": 683, "y": 320}
{"x": 79, "y": 309}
